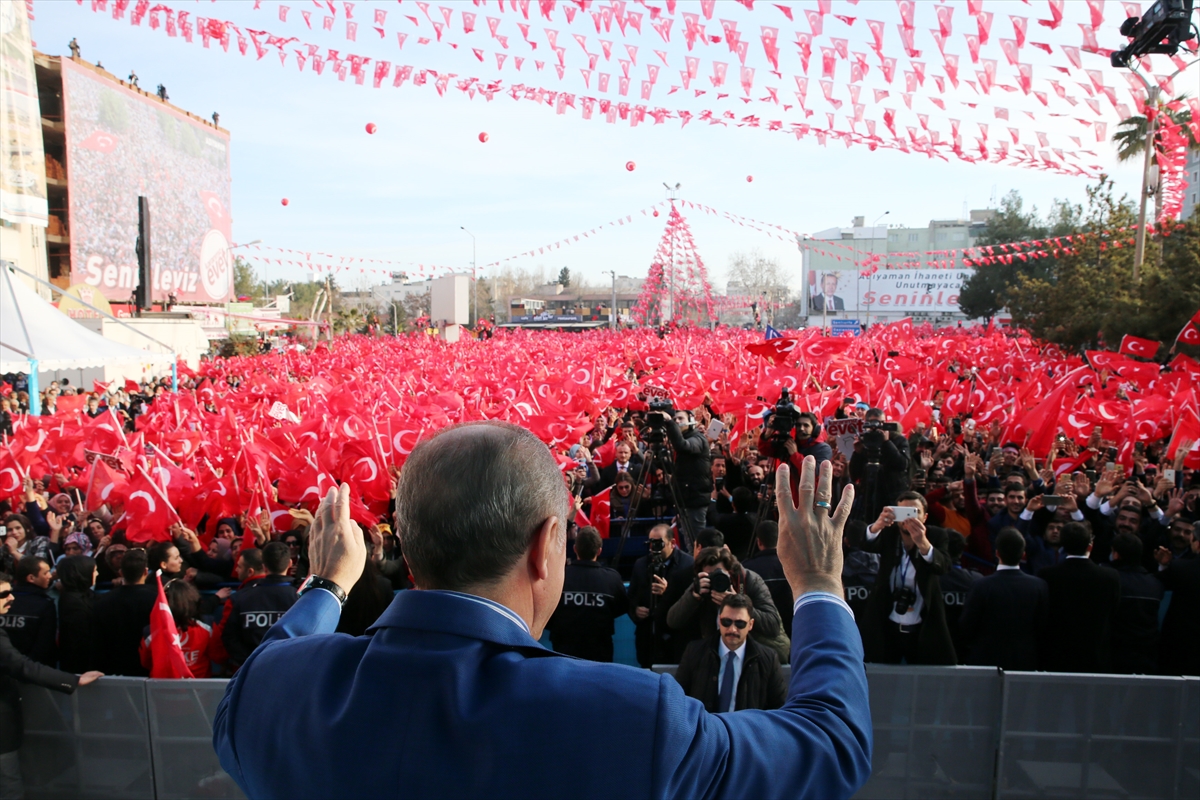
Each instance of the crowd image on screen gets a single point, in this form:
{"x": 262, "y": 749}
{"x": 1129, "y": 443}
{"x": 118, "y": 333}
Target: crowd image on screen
{"x": 154, "y": 152}
{"x": 962, "y": 548}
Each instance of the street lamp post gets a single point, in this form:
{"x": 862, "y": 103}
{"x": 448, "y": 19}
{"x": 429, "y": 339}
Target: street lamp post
{"x": 869, "y": 273}
{"x": 474, "y": 277}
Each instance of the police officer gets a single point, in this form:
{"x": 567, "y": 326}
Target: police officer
{"x": 32, "y": 620}
{"x": 693, "y": 471}
{"x": 593, "y": 597}
{"x": 956, "y": 584}
{"x": 261, "y": 600}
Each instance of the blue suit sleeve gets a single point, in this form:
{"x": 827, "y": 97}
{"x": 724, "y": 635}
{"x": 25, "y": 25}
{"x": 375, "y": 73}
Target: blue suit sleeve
{"x": 317, "y": 611}
{"x": 817, "y": 746}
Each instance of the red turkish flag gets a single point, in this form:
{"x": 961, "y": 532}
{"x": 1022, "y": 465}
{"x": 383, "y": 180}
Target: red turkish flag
{"x": 601, "y": 509}
{"x": 606, "y": 453}
{"x": 777, "y": 349}
{"x": 1187, "y": 430}
{"x": 1189, "y": 335}
{"x": 1101, "y": 359}
{"x": 167, "y": 659}
{"x": 1135, "y": 346}
{"x": 11, "y": 475}
{"x": 147, "y": 515}
{"x": 105, "y": 485}
{"x": 101, "y": 142}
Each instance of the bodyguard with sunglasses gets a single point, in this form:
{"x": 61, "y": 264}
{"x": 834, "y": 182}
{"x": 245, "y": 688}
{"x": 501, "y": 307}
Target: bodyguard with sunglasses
{"x": 732, "y": 672}
{"x": 16, "y": 669}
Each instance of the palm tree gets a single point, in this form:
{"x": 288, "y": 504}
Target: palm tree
{"x": 1130, "y": 138}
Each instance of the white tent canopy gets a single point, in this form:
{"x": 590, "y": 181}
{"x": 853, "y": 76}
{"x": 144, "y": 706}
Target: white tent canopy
{"x": 33, "y": 330}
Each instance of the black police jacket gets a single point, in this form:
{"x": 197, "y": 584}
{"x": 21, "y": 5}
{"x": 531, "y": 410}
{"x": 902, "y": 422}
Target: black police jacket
{"x": 16, "y": 669}
{"x": 593, "y": 596}
{"x": 255, "y": 608}
{"x": 693, "y": 466}
{"x": 32, "y": 624}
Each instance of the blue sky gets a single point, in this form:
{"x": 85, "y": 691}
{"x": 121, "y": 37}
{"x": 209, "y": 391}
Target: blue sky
{"x": 403, "y": 193}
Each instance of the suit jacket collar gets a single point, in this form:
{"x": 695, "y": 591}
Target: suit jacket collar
{"x": 457, "y": 615}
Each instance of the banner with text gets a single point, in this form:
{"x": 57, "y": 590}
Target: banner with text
{"x": 122, "y": 143}
{"x": 23, "y": 173}
{"x": 908, "y": 290}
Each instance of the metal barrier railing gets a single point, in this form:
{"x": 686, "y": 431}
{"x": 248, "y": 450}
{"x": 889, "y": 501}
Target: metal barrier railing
{"x": 940, "y": 732}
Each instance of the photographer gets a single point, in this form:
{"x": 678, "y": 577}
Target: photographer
{"x": 777, "y": 438}
{"x": 906, "y": 615}
{"x": 717, "y": 574}
{"x": 879, "y": 466}
{"x": 652, "y": 573}
{"x": 693, "y": 468}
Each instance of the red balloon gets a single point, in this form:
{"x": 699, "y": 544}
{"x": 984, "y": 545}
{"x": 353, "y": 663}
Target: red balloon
{"x": 483, "y": 137}
{"x": 284, "y": 201}
{"x": 371, "y": 127}
{"x": 656, "y": 212}
{"x": 749, "y": 179}
{"x": 629, "y": 165}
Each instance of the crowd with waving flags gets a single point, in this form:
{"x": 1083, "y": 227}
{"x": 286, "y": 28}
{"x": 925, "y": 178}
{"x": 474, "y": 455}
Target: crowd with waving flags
{"x": 218, "y": 481}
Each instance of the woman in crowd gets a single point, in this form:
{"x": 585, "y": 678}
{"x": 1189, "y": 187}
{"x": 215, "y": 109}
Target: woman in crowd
{"x": 20, "y": 541}
{"x": 76, "y": 647}
{"x": 194, "y": 636}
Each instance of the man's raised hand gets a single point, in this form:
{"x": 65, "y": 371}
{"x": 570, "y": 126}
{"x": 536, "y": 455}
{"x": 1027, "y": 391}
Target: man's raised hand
{"x": 336, "y": 549}
{"x": 810, "y": 541}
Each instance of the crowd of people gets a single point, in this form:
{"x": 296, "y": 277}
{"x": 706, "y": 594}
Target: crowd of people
{"x": 963, "y": 548}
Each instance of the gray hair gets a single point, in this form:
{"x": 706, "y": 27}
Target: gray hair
{"x": 469, "y": 501}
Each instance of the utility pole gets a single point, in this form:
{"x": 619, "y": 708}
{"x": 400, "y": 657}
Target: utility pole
{"x": 612, "y": 312}
{"x": 1139, "y": 248}
{"x": 670, "y": 312}
{"x": 474, "y": 277}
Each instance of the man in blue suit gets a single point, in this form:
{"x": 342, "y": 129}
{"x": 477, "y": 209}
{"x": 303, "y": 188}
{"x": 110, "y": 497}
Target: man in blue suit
{"x": 450, "y": 695}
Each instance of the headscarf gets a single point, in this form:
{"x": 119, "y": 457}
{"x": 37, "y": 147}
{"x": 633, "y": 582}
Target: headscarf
{"x": 233, "y": 523}
{"x": 82, "y": 539}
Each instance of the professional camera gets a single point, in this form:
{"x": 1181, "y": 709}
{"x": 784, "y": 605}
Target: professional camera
{"x": 660, "y": 410}
{"x": 1163, "y": 27}
{"x": 904, "y": 599}
{"x": 875, "y": 432}
{"x": 779, "y": 424}
{"x": 718, "y": 581}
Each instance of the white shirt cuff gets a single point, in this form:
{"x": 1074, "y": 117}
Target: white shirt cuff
{"x": 1026, "y": 515}
{"x": 820, "y": 597}
{"x": 871, "y": 536}
{"x": 928, "y": 556}
{"x": 1077, "y": 515}
{"x": 1106, "y": 509}
{"x": 1093, "y": 502}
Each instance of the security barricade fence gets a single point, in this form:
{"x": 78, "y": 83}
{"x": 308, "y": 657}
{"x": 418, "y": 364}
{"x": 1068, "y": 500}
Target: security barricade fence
{"x": 940, "y": 732}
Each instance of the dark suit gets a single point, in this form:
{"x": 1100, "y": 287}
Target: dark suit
{"x": 1004, "y": 620}
{"x": 120, "y": 617}
{"x": 766, "y": 565}
{"x": 934, "y": 645}
{"x": 15, "y": 669}
{"x": 656, "y": 643}
{"x": 470, "y": 705}
{"x": 1083, "y": 602}
{"x": 761, "y": 684}
{"x": 608, "y": 475}
{"x": 739, "y": 532}
{"x": 818, "y": 303}
{"x": 1180, "y": 643}
{"x": 1135, "y": 627}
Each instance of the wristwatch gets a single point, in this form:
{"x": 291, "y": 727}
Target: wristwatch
{"x": 315, "y": 582}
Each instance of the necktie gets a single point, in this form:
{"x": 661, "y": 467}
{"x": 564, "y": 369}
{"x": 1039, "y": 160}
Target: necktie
{"x": 726, "y": 700}
{"x": 829, "y": 303}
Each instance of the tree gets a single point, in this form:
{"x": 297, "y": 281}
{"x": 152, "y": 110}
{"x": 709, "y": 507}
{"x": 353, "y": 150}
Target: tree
{"x": 758, "y": 277}
{"x": 245, "y": 279}
{"x": 564, "y": 277}
{"x": 1089, "y": 296}
{"x": 983, "y": 294}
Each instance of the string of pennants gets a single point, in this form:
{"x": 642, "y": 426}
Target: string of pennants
{"x": 1046, "y": 96}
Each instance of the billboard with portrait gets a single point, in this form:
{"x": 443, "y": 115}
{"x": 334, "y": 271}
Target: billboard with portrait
{"x": 911, "y": 290}
{"x": 121, "y": 144}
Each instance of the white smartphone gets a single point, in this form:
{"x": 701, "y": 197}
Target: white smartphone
{"x": 902, "y": 513}
{"x": 1169, "y": 474}
{"x": 715, "y": 428}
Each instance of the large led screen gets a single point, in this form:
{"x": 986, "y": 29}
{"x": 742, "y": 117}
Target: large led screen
{"x": 122, "y": 144}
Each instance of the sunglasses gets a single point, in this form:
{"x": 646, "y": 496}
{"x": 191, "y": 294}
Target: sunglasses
{"x": 7, "y": 593}
{"x": 740, "y": 624}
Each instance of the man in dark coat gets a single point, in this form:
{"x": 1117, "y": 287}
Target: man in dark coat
{"x": 1084, "y": 598}
{"x": 767, "y": 566}
{"x": 16, "y": 669}
{"x": 738, "y": 527}
{"x": 652, "y": 574}
{"x": 1135, "y": 626}
{"x": 906, "y": 615}
{"x": 121, "y": 615}
{"x": 732, "y": 672}
{"x": 32, "y": 619}
{"x": 1179, "y": 652}
{"x": 1004, "y": 620}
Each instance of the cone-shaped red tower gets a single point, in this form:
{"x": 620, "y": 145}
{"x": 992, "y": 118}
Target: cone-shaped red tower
{"x": 676, "y": 290}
